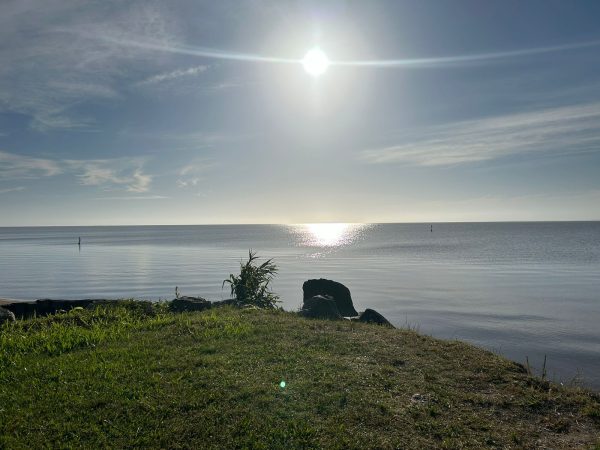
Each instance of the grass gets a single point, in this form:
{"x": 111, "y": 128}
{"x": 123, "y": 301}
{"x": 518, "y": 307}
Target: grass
{"x": 138, "y": 376}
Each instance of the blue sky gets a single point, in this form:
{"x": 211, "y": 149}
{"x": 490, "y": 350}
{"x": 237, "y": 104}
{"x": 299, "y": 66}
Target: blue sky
{"x": 201, "y": 112}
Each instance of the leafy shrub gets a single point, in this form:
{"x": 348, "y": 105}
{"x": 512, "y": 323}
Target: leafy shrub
{"x": 251, "y": 286}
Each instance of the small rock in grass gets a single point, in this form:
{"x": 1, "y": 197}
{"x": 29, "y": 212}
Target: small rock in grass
{"x": 372, "y": 316}
{"x": 6, "y": 316}
{"x": 227, "y": 302}
{"x": 182, "y": 304}
{"x": 419, "y": 399}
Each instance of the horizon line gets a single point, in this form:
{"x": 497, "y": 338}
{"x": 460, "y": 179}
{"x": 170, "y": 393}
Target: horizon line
{"x": 307, "y": 223}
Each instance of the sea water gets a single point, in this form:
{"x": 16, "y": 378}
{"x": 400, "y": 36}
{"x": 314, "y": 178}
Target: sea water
{"x": 519, "y": 289}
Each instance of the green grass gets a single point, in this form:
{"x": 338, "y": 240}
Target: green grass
{"x": 139, "y": 376}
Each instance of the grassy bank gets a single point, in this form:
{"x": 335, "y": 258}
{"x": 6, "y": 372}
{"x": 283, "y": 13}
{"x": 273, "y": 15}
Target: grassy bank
{"x": 135, "y": 376}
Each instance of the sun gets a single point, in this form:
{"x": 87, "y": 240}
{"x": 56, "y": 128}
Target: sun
{"x": 315, "y": 62}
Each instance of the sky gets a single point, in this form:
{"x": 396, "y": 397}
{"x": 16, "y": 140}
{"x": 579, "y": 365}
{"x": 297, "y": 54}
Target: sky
{"x": 194, "y": 112}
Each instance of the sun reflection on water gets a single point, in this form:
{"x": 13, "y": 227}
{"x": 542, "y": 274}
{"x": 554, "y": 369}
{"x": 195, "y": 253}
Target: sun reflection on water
{"x": 327, "y": 234}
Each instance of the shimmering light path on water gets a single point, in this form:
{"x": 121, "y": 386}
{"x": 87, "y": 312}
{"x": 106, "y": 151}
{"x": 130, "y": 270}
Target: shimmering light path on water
{"x": 521, "y": 289}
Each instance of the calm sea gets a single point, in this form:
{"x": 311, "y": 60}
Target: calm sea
{"x": 519, "y": 289}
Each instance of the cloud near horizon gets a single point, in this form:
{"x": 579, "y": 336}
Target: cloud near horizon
{"x": 110, "y": 174}
{"x": 121, "y": 173}
{"x": 191, "y": 174}
{"x": 13, "y": 166}
{"x": 135, "y": 197}
{"x": 568, "y": 129}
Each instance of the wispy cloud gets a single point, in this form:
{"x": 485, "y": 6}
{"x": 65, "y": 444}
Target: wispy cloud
{"x": 13, "y": 189}
{"x": 135, "y": 197}
{"x": 111, "y": 174}
{"x": 79, "y": 89}
{"x": 53, "y": 60}
{"x": 191, "y": 174}
{"x": 14, "y": 166}
{"x": 188, "y": 140}
{"x": 468, "y": 58}
{"x": 168, "y": 76}
{"x": 227, "y": 85}
{"x": 189, "y": 182}
{"x": 117, "y": 173}
{"x": 197, "y": 166}
{"x": 562, "y": 129}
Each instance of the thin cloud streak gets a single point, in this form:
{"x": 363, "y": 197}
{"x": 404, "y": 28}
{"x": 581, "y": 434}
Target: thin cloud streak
{"x": 408, "y": 62}
{"x": 135, "y": 197}
{"x": 190, "y": 50}
{"x": 14, "y": 166}
{"x": 458, "y": 59}
{"x": 14, "y": 189}
{"x": 566, "y": 129}
{"x": 197, "y": 167}
{"x": 168, "y": 76}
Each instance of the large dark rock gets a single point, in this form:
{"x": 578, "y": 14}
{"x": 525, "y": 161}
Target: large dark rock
{"x": 6, "y": 316}
{"x": 44, "y": 307}
{"x": 321, "y": 307}
{"x": 182, "y": 304}
{"x": 372, "y": 316}
{"x": 339, "y": 293}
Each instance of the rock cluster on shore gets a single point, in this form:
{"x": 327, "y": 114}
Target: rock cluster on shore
{"x": 328, "y": 299}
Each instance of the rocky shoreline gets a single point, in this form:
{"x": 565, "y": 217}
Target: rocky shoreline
{"x": 322, "y": 299}
{"x": 184, "y": 378}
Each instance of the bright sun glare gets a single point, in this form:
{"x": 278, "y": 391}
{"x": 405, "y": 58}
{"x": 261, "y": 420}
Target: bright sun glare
{"x": 329, "y": 234}
{"x": 315, "y": 62}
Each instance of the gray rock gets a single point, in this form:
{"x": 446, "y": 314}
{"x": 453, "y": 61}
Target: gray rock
{"x": 339, "y": 293}
{"x": 6, "y": 316}
{"x": 226, "y": 302}
{"x": 321, "y": 307}
{"x": 372, "y": 316}
{"x": 182, "y": 304}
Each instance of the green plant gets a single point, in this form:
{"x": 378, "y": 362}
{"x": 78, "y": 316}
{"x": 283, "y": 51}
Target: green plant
{"x": 251, "y": 286}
